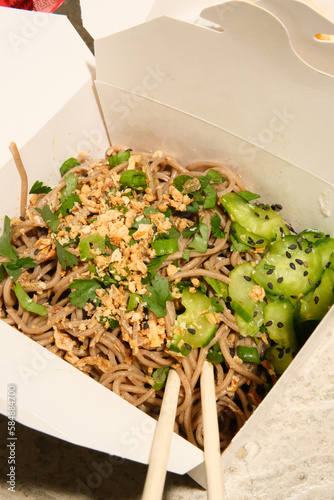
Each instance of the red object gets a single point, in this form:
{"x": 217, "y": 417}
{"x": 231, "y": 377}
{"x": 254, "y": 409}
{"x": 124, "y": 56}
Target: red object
{"x": 37, "y": 5}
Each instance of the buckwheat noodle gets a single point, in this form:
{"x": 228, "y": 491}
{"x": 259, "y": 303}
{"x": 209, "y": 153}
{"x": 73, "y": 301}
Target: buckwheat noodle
{"x": 120, "y": 359}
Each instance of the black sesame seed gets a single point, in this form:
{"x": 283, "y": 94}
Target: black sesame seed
{"x": 89, "y": 197}
{"x": 147, "y": 386}
{"x": 259, "y": 242}
{"x": 281, "y": 354}
{"x": 266, "y": 208}
{"x": 233, "y": 229}
{"x": 249, "y": 407}
{"x": 287, "y": 350}
{"x": 22, "y": 218}
{"x": 328, "y": 264}
{"x": 257, "y": 215}
{"x": 299, "y": 261}
{"x": 254, "y": 314}
{"x": 146, "y": 326}
{"x": 310, "y": 245}
{"x": 247, "y": 278}
{"x": 280, "y": 279}
{"x": 269, "y": 323}
{"x": 228, "y": 299}
{"x": 278, "y": 206}
{"x": 305, "y": 273}
{"x": 281, "y": 229}
{"x": 292, "y": 247}
{"x": 267, "y": 217}
{"x": 280, "y": 324}
{"x": 251, "y": 241}
{"x": 317, "y": 283}
{"x": 292, "y": 265}
{"x": 281, "y": 297}
{"x": 192, "y": 331}
{"x": 265, "y": 300}
{"x": 308, "y": 250}
{"x": 188, "y": 346}
{"x": 316, "y": 299}
{"x": 270, "y": 285}
{"x": 327, "y": 236}
{"x": 288, "y": 254}
{"x": 294, "y": 296}
{"x": 36, "y": 251}
{"x": 85, "y": 174}
{"x": 318, "y": 235}
{"x": 211, "y": 246}
{"x": 273, "y": 207}
{"x": 270, "y": 271}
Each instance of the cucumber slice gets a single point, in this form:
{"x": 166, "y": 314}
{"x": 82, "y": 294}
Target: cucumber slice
{"x": 263, "y": 222}
{"x": 248, "y": 313}
{"x": 193, "y": 328}
{"x": 278, "y": 320}
{"x": 279, "y": 358}
{"x": 290, "y": 268}
{"x": 248, "y": 238}
{"x": 316, "y": 304}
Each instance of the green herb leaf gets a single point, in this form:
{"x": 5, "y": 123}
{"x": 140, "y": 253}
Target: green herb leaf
{"x": 71, "y": 182}
{"x": 27, "y": 303}
{"x": 68, "y": 164}
{"x": 6, "y": 248}
{"x": 186, "y": 254}
{"x": 133, "y": 179}
{"x": 14, "y": 268}
{"x": 211, "y": 176}
{"x": 65, "y": 258}
{"x": 210, "y": 197}
{"x": 180, "y": 180}
{"x": 159, "y": 294}
{"x": 38, "y": 187}
{"x": 220, "y": 288}
{"x": 236, "y": 245}
{"x": 191, "y": 231}
{"x": 119, "y": 158}
{"x": 50, "y": 218}
{"x": 67, "y": 206}
{"x": 133, "y": 302}
{"x": 218, "y": 307}
{"x": 159, "y": 377}
{"x": 248, "y": 196}
{"x": 2, "y": 273}
{"x": 215, "y": 355}
{"x": 200, "y": 241}
{"x": 84, "y": 290}
{"x": 112, "y": 322}
{"x": 215, "y": 227}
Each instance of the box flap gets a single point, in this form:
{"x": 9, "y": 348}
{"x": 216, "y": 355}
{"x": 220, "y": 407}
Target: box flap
{"x": 296, "y": 101}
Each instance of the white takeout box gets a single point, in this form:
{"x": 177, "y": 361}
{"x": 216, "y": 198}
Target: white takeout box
{"x": 237, "y": 91}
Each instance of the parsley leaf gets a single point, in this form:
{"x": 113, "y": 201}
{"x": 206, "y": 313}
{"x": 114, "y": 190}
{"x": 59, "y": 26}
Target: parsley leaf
{"x": 38, "y": 187}
{"x": 6, "y": 248}
{"x": 218, "y": 307}
{"x": 27, "y": 303}
{"x": 65, "y": 257}
{"x": 50, "y": 218}
{"x": 186, "y": 254}
{"x": 210, "y": 197}
{"x": 14, "y": 268}
{"x": 68, "y": 196}
{"x": 220, "y": 288}
{"x": 200, "y": 241}
{"x": 248, "y": 196}
{"x": 119, "y": 158}
{"x": 211, "y": 176}
{"x": 68, "y": 164}
{"x": 180, "y": 180}
{"x": 190, "y": 231}
{"x": 159, "y": 294}
{"x": 84, "y": 290}
{"x": 134, "y": 179}
{"x": 215, "y": 227}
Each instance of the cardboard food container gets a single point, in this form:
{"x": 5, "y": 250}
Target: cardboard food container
{"x": 235, "y": 89}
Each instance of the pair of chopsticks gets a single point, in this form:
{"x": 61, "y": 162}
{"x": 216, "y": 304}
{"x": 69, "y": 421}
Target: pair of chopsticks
{"x": 157, "y": 468}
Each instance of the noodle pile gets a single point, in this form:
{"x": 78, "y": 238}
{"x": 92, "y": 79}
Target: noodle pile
{"x": 118, "y": 347}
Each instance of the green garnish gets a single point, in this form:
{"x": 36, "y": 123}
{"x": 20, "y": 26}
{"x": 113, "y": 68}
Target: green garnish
{"x": 159, "y": 377}
{"x": 68, "y": 164}
{"x": 49, "y": 217}
{"x": 215, "y": 227}
{"x": 200, "y": 241}
{"x": 165, "y": 247}
{"x": 91, "y": 246}
{"x": 38, "y": 187}
{"x": 84, "y": 290}
{"x": 215, "y": 355}
{"x": 6, "y": 248}
{"x": 210, "y": 197}
{"x": 158, "y": 295}
{"x": 14, "y": 268}
{"x": 248, "y": 196}
{"x": 118, "y": 158}
{"x": 68, "y": 195}
{"x": 248, "y": 354}
{"x": 65, "y": 258}
{"x": 133, "y": 179}
{"x": 27, "y": 303}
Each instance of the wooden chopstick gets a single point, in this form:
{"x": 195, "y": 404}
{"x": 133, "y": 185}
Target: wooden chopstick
{"x": 212, "y": 454}
{"x": 156, "y": 474}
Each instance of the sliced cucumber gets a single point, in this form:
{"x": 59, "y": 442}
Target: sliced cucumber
{"x": 278, "y": 320}
{"x": 316, "y": 303}
{"x": 263, "y": 222}
{"x": 248, "y": 238}
{"x": 242, "y": 288}
{"x": 279, "y": 358}
{"x": 291, "y": 268}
